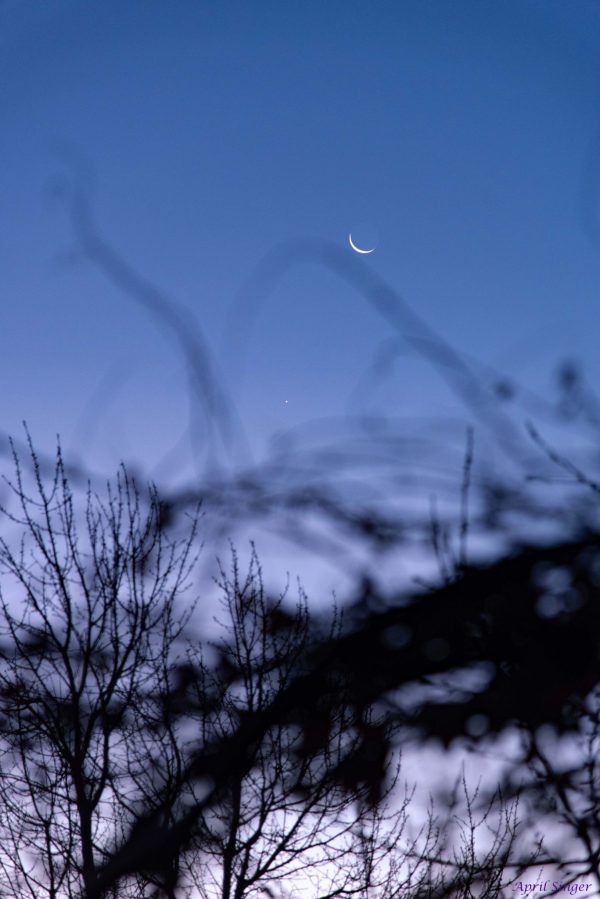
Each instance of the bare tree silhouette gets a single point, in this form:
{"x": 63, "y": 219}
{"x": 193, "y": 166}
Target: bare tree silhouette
{"x": 88, "y": 610}
{"x": 136, "y": 762}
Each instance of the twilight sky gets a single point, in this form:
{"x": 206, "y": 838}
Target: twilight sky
{"x": 206, "y": 133}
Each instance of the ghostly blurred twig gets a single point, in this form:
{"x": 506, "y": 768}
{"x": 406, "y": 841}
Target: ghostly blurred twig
{"x": 389, "y": 304}
{"x": 222, "y": 429}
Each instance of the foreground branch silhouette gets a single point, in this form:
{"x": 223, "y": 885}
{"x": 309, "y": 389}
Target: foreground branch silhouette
{"x": 140, "y": 762}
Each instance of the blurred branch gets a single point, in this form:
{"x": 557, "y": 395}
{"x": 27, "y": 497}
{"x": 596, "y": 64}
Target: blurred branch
{"x": 220, "y": 423}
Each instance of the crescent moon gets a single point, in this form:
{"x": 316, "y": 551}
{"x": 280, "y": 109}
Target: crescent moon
{"x": 358, "y": 249}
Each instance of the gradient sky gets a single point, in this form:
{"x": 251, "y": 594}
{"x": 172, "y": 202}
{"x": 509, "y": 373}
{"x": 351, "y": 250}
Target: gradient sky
{"x": 205, "y": 133}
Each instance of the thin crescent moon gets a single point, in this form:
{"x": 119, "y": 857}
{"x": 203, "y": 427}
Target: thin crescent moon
{"x": 358, "y": 249}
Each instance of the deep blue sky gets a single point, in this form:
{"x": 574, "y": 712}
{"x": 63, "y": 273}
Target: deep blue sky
{"x": 206, "y": 133}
